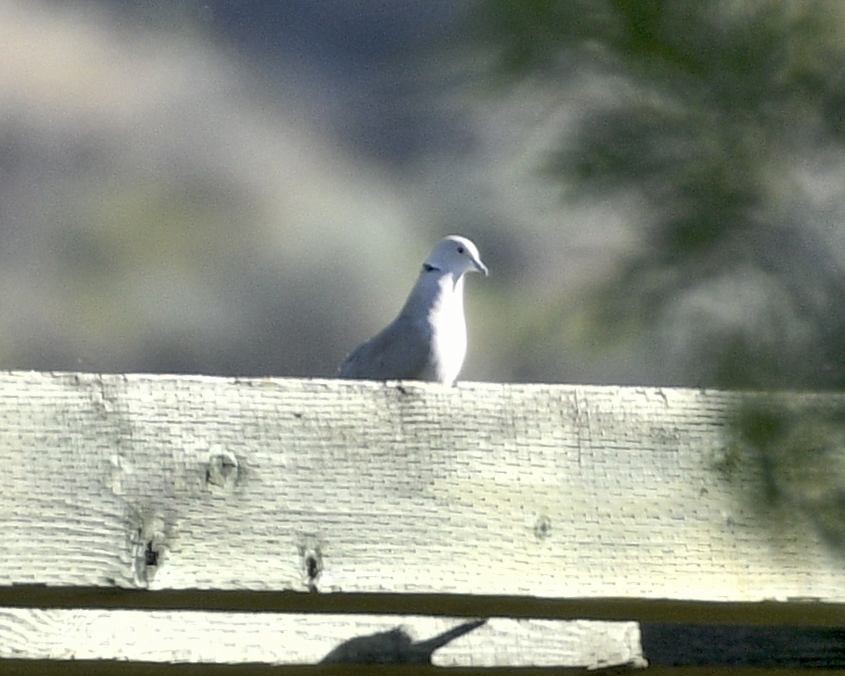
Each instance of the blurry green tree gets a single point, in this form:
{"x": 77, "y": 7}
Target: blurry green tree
{"x": 713, "y": 109}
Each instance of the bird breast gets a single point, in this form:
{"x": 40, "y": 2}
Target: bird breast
{"x": 448, "y": 332}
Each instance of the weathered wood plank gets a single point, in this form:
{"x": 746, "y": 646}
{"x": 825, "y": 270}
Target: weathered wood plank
{"x": 195, "y": 636}
{"x": 559, "y": 491}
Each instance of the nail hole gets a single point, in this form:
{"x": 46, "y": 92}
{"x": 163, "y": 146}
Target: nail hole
{"x": 312, "y": 563}
{"x": 150, "y": 555}
{"x": 312, "y": 567}
{"x": 543, "y": 527}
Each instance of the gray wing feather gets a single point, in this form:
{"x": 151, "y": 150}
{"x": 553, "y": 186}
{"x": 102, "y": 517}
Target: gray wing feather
{"x": 401, "y": 351}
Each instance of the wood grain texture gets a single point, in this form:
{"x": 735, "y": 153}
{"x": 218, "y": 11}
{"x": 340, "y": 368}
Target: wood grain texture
{"x": 285, "y": 484}
{"x": 195, "y": 637}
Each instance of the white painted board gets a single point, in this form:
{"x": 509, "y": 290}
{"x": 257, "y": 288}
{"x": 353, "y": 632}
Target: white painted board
{"x": 277, "y": 638}
{"x": 291, "y": 484}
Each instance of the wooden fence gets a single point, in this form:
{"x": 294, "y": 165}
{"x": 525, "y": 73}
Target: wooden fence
{"x": 257, "y": 524}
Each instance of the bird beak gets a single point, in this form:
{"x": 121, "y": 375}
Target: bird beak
{"x": 480, "y": 267}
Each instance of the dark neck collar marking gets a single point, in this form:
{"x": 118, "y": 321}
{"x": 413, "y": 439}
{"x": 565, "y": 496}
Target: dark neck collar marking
{"x": 429, "y": 268}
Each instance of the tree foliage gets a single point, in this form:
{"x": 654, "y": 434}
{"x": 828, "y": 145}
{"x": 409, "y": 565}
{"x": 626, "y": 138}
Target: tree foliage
{"x": 716, "y": 106}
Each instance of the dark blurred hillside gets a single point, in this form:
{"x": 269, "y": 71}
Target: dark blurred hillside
{"x": 365, "y": 62}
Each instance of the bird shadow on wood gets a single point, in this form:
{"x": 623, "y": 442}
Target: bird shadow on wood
{"x": 394, "y": 647}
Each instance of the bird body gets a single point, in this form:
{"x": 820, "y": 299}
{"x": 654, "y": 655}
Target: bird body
{"x": 428, "y": 339}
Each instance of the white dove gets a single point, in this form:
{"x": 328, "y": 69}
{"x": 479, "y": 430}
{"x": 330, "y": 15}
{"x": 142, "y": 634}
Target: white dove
{"x": 428, "y": 339}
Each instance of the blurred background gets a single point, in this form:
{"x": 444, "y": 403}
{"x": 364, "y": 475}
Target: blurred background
{"x": 249, "y": 188}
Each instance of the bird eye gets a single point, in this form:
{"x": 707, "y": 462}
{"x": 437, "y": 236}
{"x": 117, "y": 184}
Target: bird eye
{"x": 460, "y": 249}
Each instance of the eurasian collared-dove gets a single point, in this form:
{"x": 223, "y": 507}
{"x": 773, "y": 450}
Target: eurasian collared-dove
{"x": 428, "y": 339}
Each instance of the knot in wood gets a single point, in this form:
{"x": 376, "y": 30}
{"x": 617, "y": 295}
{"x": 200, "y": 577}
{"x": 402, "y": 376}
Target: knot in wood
{"x": 311, "y": 555}
{"x": 149, "y": 547}
{"x": 222, "y": 470}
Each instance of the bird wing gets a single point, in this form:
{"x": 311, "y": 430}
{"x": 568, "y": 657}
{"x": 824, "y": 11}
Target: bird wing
{"x": 401, "y": 351}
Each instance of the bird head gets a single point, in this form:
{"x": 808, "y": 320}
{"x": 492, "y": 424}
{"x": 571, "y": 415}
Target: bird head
{"x": 456, "y": 255}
